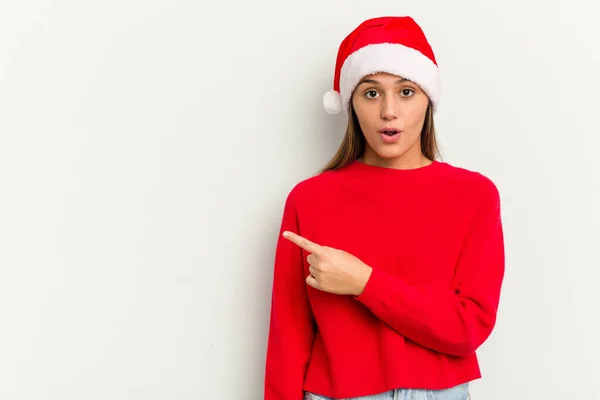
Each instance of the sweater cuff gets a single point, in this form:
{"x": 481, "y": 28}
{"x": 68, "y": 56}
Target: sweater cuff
{"x": 373, "y": 288}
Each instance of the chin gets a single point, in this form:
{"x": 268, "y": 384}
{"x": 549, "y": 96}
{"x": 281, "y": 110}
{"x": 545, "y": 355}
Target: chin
{"x": 390, "y": 153}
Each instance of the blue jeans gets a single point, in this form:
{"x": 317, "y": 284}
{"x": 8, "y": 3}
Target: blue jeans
{"x": 460, "y": 392}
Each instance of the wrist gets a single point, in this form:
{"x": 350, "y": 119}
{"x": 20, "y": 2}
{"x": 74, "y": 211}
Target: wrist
{"x": 363, "y": 278}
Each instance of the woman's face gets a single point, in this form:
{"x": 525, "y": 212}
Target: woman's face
{"x": 391, "y": 112}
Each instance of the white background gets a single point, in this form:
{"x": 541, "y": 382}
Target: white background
{"x": 147, "y": 147}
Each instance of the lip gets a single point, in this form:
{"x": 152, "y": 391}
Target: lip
{"x": 390, "y": 130}
{"x": 390, "y": 138}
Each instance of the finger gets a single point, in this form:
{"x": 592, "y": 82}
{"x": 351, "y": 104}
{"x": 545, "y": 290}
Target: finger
{"x": 317, "y": 269}
{"x": 302, "y": 242}
{"x": 311, "y": 281}
{"x": 311, "y": 259}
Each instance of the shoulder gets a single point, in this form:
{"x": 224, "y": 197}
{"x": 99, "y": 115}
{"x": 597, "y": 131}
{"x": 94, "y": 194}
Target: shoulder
{"x": 313, "y": 187}
{"x": 314, "y": 184}
{"x": 473, "y": 185}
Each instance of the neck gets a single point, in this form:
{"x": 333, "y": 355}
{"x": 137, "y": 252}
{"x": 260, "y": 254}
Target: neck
{"x": 405, "y": 161}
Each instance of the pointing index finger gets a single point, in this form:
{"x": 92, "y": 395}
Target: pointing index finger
{"x": 302, "y": 242}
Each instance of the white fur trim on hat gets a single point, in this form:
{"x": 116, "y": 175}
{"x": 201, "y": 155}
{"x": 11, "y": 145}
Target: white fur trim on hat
{"x": 394, "y": 59}
{"x": 332, "y": 102}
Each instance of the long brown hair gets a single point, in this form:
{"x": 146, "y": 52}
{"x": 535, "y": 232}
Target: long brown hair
{"x": 354, "y": 144}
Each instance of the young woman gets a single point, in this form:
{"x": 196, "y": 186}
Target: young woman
{"x": 388, "y": 272}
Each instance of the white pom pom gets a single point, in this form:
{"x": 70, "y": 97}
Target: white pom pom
{"x": 332, "y": 102}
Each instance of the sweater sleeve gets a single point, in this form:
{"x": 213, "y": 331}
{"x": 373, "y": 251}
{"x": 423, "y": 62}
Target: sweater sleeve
{"x": 454, "y": 320}
{"x": 291, "y": 330}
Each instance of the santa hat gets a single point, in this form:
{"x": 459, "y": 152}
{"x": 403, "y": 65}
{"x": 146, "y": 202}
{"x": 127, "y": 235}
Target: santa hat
{"x": 395, "y": 45}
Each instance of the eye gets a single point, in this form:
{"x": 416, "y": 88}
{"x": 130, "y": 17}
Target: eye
{"x": 407, "y": 92}
{"x": 371, "y": 94}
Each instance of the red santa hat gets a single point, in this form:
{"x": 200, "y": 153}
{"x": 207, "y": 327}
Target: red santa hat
{"x": 396, "y": 45}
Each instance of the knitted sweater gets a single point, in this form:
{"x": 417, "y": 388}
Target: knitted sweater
{"x": 433, "y": 236}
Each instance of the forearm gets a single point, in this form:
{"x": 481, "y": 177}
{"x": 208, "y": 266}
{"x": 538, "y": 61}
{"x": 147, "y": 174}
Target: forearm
{"x": 431, "y": 316}
{"x": 288, "y": 352}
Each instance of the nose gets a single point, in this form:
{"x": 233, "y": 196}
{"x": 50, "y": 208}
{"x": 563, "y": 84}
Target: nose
{"x": 389, "y": 108}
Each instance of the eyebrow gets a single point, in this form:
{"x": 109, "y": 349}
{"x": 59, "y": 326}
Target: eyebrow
{"x": 374, "y": 82}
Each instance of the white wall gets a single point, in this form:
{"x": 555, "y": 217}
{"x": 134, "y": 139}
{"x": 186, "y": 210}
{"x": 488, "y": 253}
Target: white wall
{"x": 147, "y": 147}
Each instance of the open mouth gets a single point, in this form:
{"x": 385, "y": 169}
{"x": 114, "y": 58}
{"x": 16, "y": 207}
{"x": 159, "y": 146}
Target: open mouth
{"x": 389, "y": 131}
{"x": 390, "y": 135}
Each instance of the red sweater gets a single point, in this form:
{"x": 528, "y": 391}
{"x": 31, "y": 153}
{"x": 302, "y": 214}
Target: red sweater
{"x": 433, "y": 237}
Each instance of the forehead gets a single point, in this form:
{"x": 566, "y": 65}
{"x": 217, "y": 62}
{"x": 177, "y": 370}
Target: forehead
{"x": 384, "y": 77}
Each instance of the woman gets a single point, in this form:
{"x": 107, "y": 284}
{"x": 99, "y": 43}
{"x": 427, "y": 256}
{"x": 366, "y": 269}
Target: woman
{"x": 388, "y": 273}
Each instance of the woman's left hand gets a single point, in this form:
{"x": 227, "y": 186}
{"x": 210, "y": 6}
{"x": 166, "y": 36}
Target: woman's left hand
{"x": 332, "y": 270}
